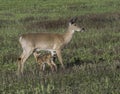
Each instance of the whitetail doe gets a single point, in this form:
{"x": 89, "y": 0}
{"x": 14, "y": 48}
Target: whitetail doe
{"x": 46, "y": 58}
{"x": 46, "y": 41}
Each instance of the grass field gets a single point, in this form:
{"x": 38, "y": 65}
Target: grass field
{"x": 92, "y": 58}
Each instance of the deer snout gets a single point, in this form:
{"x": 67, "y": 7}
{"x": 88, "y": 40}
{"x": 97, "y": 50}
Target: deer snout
{"x": 82, "y": 29}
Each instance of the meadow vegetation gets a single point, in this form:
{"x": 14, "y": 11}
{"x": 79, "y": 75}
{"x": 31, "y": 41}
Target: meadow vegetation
{"x": 92, "y": 58}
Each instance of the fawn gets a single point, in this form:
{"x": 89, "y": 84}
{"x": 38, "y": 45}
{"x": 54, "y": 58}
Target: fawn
{"x": 45, "y": 58}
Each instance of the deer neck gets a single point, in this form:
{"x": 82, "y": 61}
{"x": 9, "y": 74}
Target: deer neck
{"x": 68, "y": 36}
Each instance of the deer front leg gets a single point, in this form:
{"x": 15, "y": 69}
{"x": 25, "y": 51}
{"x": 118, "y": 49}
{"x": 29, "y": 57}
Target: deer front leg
{"x": 58, "y": 52}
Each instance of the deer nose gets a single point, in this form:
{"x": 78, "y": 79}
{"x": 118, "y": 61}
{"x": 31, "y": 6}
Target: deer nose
{"x": 83, "y": 29}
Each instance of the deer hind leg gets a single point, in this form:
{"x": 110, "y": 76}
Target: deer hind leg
{"x": 20, "y": 59}
{"x": 51, "y": 66}
{"x": 58, "y": 52}
{"x": 42, "y": 66}
{"x": 24, "y": 56}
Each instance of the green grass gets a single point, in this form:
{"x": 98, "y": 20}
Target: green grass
{"x": 16, "y": 10}
{"x": 92, "y": 58}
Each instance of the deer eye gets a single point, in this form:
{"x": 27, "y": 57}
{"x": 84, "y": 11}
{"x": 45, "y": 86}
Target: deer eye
{"x": 74, "y": 24}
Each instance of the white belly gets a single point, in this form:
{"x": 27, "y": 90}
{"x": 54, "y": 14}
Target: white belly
{"x": 53, "y": 52}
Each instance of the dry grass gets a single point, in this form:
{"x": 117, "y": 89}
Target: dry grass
{"x": 90, "y": 21}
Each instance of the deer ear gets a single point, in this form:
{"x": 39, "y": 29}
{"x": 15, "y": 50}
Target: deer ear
{"x": 73, "y": 20}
